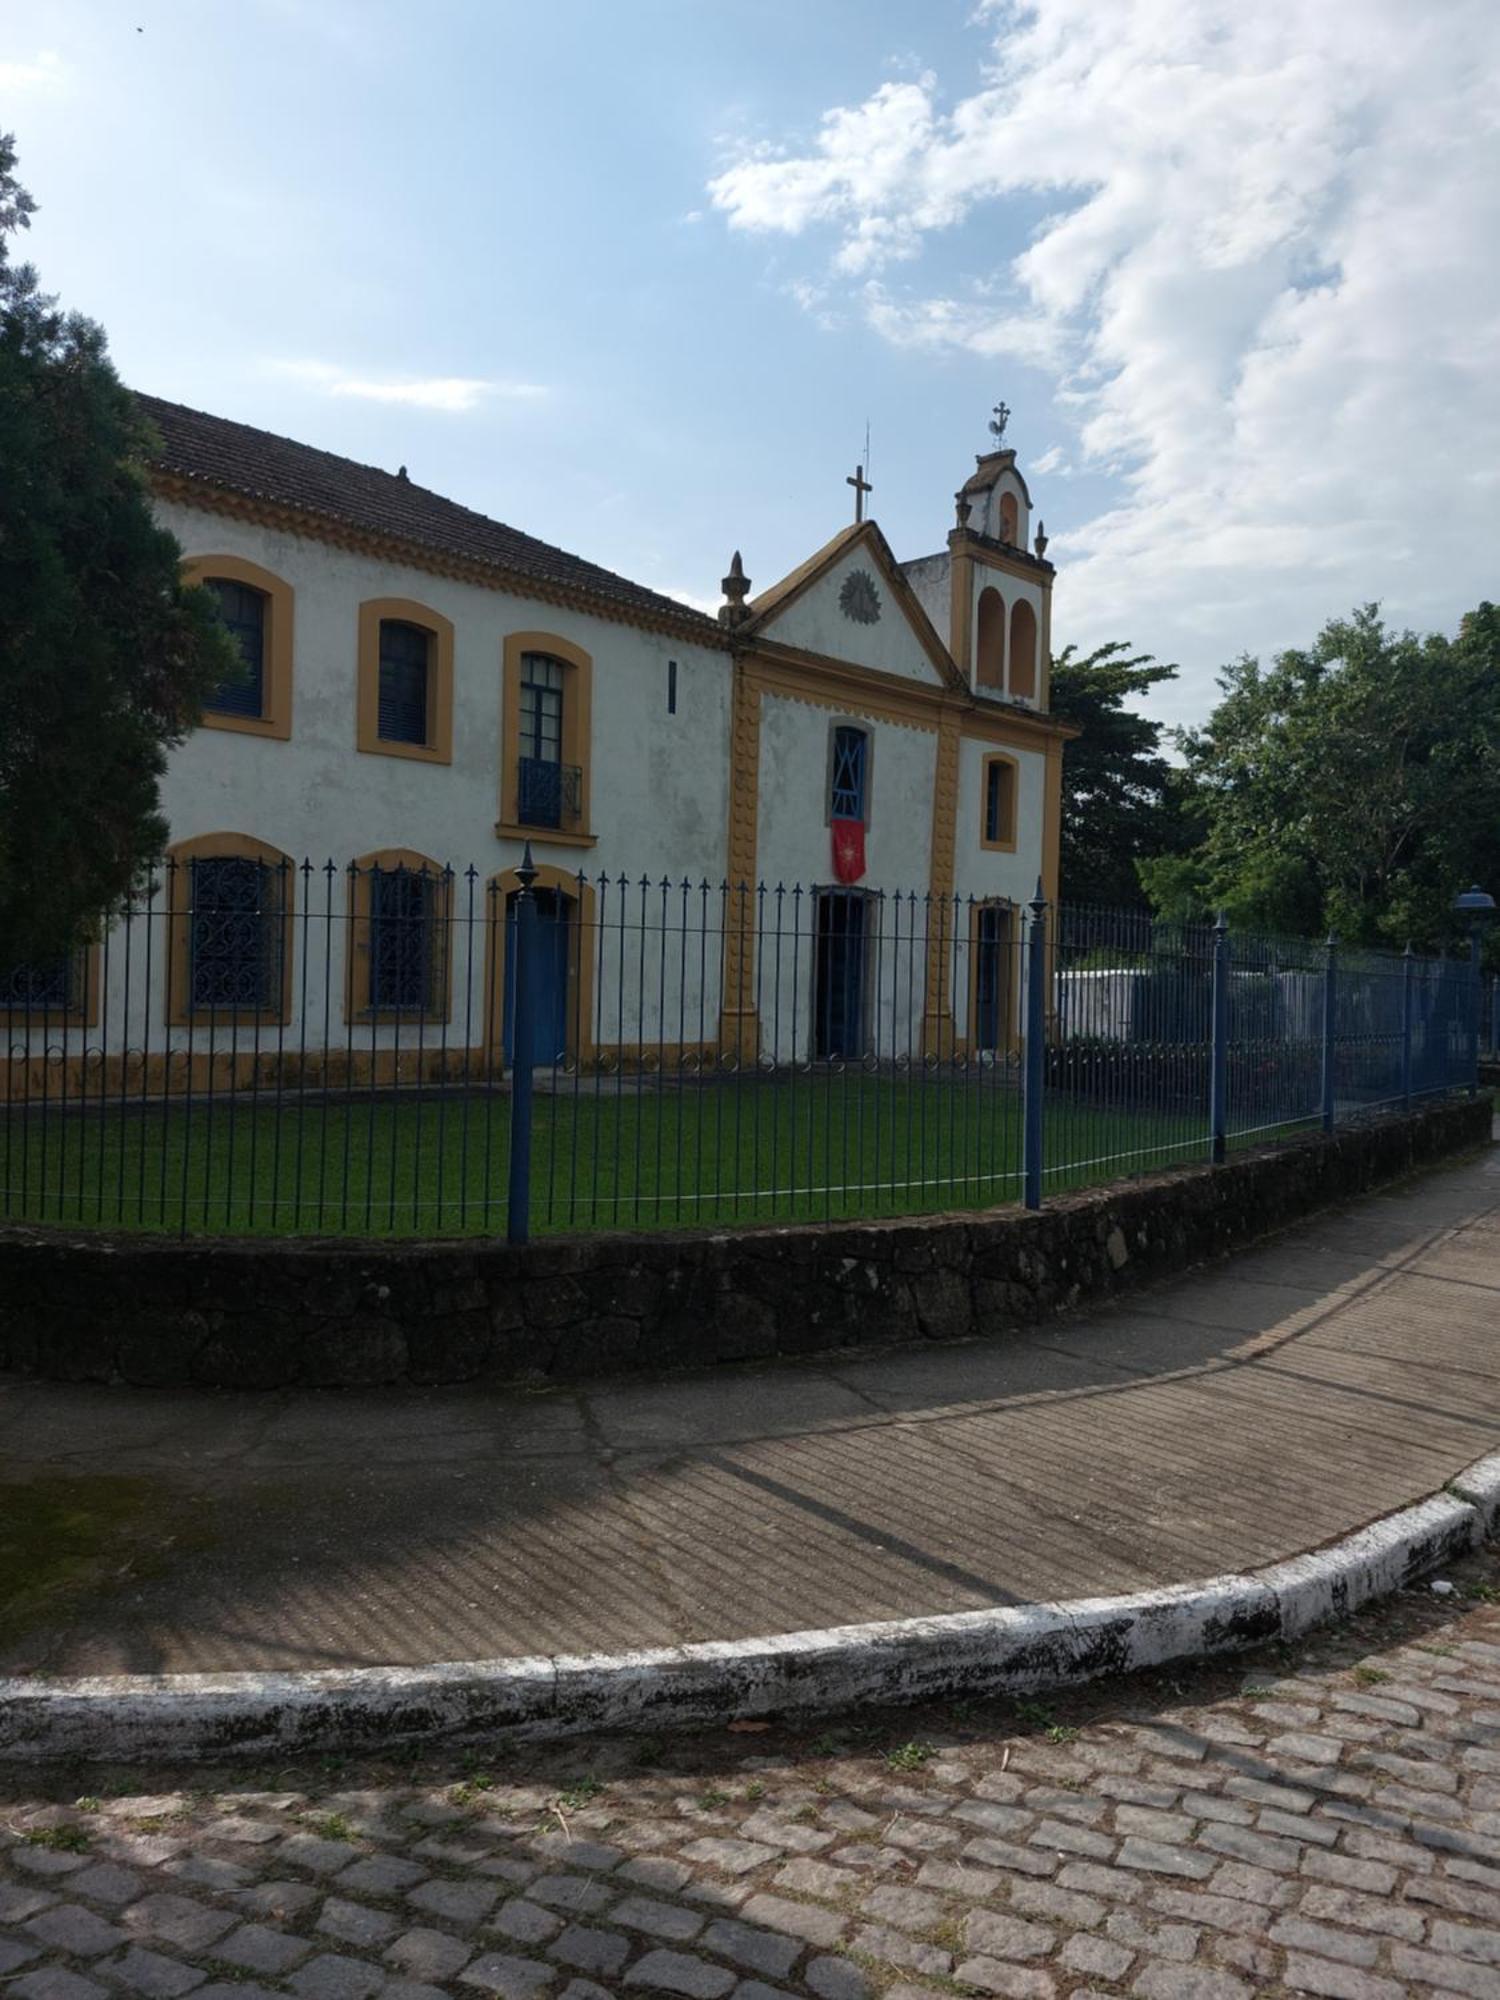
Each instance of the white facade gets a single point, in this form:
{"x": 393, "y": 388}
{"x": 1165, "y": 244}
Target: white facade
{"x": 699, "y": 886}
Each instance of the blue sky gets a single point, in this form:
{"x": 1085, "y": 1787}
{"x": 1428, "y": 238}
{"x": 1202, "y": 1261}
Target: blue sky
{"x": 634, "y": 277}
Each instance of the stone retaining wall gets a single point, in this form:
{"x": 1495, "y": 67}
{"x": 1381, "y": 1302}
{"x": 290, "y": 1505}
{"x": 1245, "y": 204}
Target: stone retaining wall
{"x": 262, "y": 1315}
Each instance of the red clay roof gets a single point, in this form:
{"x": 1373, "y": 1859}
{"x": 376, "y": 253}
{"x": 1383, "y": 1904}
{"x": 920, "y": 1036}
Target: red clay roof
{"x": 237, "y": 458}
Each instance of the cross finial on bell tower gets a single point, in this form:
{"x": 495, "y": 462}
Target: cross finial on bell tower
{"x": 861, "y": 487}
{"x": 999, "y": 418}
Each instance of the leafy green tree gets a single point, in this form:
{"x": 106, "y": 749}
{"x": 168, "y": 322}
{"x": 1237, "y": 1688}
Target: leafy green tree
{"x": 104, "y": 656}
{"x": 1354, "y": 784}
{"x": 1121, "y": 799}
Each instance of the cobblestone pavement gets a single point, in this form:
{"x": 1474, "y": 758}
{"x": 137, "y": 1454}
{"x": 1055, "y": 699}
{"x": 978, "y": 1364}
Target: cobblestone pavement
{"x": 1321, "y": 1820}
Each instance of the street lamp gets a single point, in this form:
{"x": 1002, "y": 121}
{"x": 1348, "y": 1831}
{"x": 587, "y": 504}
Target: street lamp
{"x": 1475, "y": 905}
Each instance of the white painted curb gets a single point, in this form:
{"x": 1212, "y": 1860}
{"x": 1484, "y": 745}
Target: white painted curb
{"x": 141, "y": 1717}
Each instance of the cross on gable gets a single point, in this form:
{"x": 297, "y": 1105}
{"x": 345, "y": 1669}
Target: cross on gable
{"x": 861, "y": 487}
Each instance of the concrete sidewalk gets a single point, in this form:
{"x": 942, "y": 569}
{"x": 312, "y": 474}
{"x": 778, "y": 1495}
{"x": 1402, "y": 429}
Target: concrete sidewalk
{"x": 1245, "y": 1413}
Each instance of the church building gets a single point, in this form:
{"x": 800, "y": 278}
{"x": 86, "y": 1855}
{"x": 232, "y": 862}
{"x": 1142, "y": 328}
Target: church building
{"x": 851, "y": 761}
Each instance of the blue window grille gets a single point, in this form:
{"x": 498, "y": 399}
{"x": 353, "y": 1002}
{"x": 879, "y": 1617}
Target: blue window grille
{"x": 405, "y": 659}
{"x": 243, "y": 611}
{"x": 234, "y": 934}
{"x": 999, "y": 799}
{"x": 405, "y": 941}
{"x": 847, "y": 790}
{"x": 47, "y": 986}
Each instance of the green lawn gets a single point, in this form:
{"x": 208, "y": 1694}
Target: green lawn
{"x": 847, "y": 1145}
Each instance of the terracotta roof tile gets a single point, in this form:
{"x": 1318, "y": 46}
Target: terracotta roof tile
{"x": 237, "y": 458}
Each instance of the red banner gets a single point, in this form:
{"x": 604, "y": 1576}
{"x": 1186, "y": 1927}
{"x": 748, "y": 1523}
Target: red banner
{"x": 848, "y": 849}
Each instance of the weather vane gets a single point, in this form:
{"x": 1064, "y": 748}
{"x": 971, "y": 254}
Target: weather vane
{"x": 998, "y": 422}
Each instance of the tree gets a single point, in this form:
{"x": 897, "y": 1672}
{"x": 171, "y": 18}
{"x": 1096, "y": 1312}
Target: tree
{"x": 1354, "y": 784}
{"x": 1120, "y": 802}
{"x": 105, "y": 656}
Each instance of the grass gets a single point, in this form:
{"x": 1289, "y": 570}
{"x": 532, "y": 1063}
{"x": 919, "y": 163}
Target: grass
{"x": 820, "y": 1146}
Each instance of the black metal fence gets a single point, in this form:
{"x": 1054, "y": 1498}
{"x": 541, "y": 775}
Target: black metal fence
{"x": 258, "y": 1047}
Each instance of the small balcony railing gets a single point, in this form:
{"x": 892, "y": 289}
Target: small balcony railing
{"x": 549, "y": 794}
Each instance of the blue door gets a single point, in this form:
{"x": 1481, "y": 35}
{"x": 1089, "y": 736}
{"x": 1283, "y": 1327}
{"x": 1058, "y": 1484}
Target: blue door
{"x": 549, "y": 977}
{"x": 991, "y": 981}
{"x": 839, "y": 979}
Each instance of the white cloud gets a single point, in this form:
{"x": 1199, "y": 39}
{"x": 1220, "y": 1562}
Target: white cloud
{"x": 46, "y": 71}
{"x": 453, "y": 394}
{"x": 1265, "y": 287}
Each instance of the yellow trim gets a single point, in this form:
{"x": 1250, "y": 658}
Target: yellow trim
{"x": 438, "y": 749}
{"x": 1020, "y": 655}
{"x": 313, "y": 526}
{"x": 739, "y": 1027}
{"x": 938, "y": 1030}
{"x": 239, "y": 846}
{"x": 1010, "y": 959}
{"x": 990, "y": 554}
{"x": 357, "y": 952}
{"x": 838, "y": 684}
{"x": 577, "y": 735}
{"x": 960, "y": 608}
{"x": 990, "y": 673}
{"x": 1052, "y": 824}
{"x": 275, "y": 718}
{"x": 1006, "y": 844}
{"x": 582, "y": 946}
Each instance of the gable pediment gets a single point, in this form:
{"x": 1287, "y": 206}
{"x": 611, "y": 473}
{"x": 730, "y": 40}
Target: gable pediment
{"x": 851, "y": 603}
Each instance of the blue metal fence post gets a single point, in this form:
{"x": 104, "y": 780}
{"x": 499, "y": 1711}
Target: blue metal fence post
{"x": 1495, "y": 1015}
{"x": 1330, "y": 1018}
{"x": 1408, "y": 984}
{"x": 519, "y": 977}
{"x": 1218, "y": 1075}
{"x": 1033, "y": 1076}
{"x": 1476, "y": 1003}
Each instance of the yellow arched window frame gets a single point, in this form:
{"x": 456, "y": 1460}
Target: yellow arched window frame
{"x": 193, "y": 926}
{"x": 577, "y": 677}
{"x": 399, "y": 964}
{"x": 999, "y": 792}
{"x": 437, "y": 744}
{"x": 275, "y": 718}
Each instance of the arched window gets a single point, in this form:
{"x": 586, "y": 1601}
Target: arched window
{"x": 400, "y": 912}
{"x": 1009, "y": 519}
{"x": 989, "y": 654}
{"x": 229, "y": 906}
{"x": 256, "y": 607}
{"x": 405, "y": 681}
{"x": 546, "y": 739}
{"x": 1023, "y": 651}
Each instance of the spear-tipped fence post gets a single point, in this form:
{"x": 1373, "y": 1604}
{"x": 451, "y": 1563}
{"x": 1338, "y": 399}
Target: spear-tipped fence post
{"x": 518, "y": 1206}
{"x": 1033, "y": 1075}
{"x": 1330, "y": 1020}
{"x": 1218, "y": 1075}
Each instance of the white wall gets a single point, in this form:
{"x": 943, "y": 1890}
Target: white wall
{"x": 816, "y": 622}
{"x": 930, "y": 578}
{"x": 659, "y": 782}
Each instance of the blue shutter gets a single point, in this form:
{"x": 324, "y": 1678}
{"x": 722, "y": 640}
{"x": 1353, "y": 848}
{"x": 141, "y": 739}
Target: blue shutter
{"x": 243, "y": 611}
{"x": 404, "y": 656}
